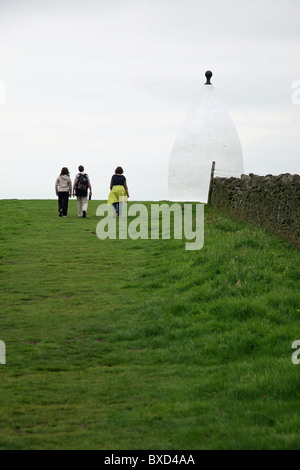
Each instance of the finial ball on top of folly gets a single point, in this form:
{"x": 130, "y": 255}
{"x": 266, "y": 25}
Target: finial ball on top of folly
{"x": 208, "y": 75}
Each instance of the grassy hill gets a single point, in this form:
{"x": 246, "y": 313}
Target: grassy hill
{"x": 140, "y": 344}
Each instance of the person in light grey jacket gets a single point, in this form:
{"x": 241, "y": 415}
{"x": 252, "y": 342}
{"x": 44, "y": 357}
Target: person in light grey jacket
{"x": 63, "y": 189}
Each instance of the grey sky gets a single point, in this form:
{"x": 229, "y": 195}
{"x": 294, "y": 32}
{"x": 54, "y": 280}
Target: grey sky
{"x": 109, "y": 82}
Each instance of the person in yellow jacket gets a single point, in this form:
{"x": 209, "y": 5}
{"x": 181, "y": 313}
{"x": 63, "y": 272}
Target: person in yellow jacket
{"x": 118, "y": 188}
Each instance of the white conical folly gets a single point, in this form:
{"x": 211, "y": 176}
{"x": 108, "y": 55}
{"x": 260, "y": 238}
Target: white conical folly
{"x": 207, "y": 134}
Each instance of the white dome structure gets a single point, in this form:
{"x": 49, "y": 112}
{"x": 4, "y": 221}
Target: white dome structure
{"x": 207, "y": 134}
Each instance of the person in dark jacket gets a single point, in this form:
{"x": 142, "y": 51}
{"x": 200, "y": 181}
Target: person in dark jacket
{"x": 81, "y": 187}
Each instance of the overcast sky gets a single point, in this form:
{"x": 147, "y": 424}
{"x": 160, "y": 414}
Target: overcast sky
{"x": 104, "y": 83}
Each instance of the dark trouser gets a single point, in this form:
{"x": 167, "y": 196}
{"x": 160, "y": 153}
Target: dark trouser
{"x": 118, "y": 208}
{"x": 63, "y": 199}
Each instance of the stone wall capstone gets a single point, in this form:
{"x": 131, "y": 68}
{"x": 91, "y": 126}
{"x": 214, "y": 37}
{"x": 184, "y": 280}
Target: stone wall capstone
{"x": 269, "y": 201}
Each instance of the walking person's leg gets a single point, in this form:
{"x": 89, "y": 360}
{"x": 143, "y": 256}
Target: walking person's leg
{"x": 79, "y": 206}
{"x": 116, "y": 209}
{"x": 60, "y": 204}
{"x": 84, "y": 205}
{"x": 65, "y": 204}
{"x": 120, "y": 209}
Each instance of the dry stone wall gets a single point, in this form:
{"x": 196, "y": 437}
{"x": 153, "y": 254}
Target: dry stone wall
{"x": 269, "y": 201}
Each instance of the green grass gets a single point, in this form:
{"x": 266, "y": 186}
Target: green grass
{"x": 140, "y": 344}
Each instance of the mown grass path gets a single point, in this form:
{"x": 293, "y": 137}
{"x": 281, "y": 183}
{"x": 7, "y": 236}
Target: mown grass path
{"x": 123, "y": 344}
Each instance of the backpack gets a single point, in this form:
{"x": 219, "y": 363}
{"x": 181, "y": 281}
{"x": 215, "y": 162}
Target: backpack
{"x": 82, "y": 185}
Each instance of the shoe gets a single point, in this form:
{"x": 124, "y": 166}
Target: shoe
{"x": 83, "y": 213}
{"x": 60, "y": 213}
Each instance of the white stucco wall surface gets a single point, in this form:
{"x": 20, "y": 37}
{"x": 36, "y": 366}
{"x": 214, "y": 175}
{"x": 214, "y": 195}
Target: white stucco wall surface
{"x": 208, "y": 134}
